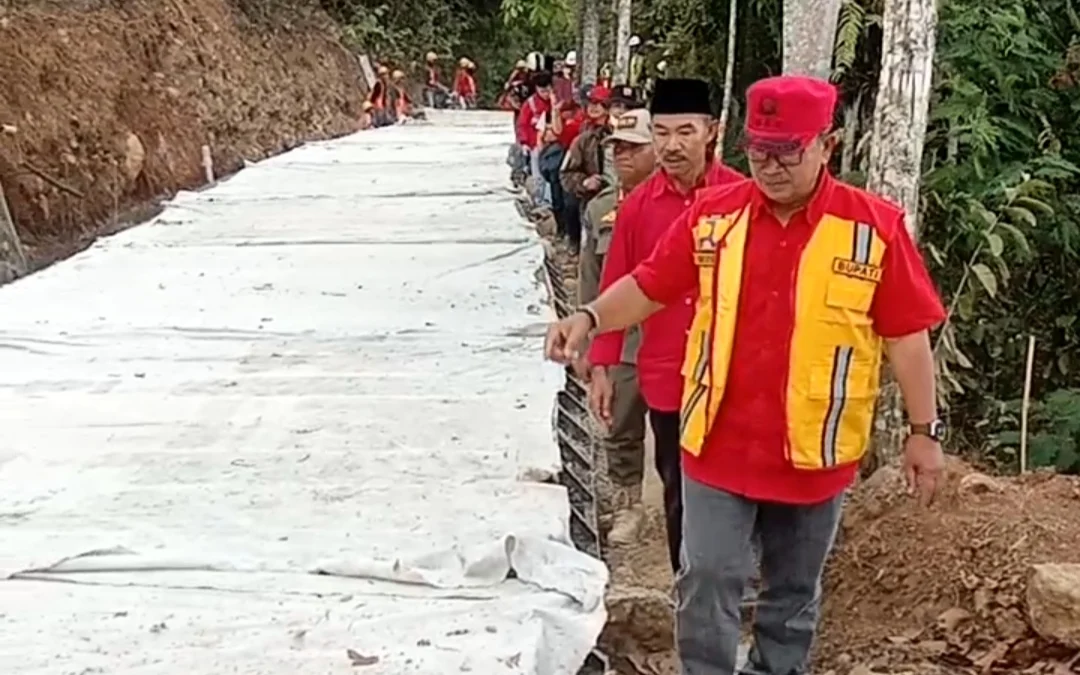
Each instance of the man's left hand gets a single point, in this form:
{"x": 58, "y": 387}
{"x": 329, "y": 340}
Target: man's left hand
{"x": 924, "y": 467}
{"x": 582, "y": 368}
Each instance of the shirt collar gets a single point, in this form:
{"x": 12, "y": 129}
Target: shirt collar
{"x": 817, "y": 206}
{"x": 662, "y": 182}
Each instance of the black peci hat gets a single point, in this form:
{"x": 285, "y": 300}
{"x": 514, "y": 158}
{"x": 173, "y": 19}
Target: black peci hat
{"x": 678, "y": 96}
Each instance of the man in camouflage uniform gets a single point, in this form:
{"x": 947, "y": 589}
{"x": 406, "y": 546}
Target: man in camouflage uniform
{"x": 631, "y": 145}
{"x": 586, "y": 170}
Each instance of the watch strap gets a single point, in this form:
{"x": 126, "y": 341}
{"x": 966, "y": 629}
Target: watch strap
{"x": 594, "y": 318}
{"x": 932, "y": 430}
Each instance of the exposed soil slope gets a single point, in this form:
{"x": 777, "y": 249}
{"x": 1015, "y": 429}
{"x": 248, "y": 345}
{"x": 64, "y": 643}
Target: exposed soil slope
{"x": 106, "y": 106}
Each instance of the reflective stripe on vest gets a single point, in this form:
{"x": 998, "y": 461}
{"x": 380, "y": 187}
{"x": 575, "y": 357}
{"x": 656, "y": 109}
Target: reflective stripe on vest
{"x": 835, "y": 355}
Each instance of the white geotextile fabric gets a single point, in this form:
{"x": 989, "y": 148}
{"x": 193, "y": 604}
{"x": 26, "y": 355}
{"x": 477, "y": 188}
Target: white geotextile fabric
{"x": 294, "y": 416}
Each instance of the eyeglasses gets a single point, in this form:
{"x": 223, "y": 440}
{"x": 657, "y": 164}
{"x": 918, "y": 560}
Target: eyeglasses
{"x": 787, "y": 158}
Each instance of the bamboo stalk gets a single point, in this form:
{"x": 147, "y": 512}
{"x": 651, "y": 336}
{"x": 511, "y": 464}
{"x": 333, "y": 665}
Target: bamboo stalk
{"x": 1025, "y": 406}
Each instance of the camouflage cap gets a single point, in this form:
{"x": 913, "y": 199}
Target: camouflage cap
{"x": 633, "y": 126}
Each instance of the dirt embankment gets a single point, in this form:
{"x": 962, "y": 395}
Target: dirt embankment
{"x": 946, "y": 590}
{"x": 106, "y": 106}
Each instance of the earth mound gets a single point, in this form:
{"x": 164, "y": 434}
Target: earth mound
{"x": 945, "y": 589}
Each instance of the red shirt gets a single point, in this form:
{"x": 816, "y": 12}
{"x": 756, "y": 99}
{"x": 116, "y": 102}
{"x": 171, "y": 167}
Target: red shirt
{"x": 572, "y": 119}
{"x": 642, "y": 220}
{"x": 744, "y": 452}
{"x": 464, "y": 84}
{"x": 573, "y": 127}
{"x": 535, "y": 108}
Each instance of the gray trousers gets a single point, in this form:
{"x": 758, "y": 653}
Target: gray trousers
{"x": 717, "y": 560}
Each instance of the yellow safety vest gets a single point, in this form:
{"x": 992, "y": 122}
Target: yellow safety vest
{"x": 835, "y": 354}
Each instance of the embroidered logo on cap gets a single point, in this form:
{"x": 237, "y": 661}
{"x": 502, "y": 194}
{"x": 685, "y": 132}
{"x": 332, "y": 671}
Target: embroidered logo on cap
{"x": 767, "y": 107}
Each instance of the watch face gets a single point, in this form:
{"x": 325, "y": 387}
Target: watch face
{"x": 938, "y": 429}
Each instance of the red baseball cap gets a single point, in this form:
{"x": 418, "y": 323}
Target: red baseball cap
{"x": 599, "y": 94}
{"x": 788, "y": 111}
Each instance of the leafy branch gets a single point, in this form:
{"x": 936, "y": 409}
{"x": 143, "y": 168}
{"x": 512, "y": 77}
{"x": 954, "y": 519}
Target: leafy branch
{"x": 1020, "y": 207}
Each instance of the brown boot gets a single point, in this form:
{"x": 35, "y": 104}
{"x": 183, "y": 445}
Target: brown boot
{"x": 629, "y": 515}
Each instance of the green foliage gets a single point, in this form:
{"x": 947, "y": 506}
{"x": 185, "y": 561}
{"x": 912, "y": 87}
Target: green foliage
{"x": 1053, "y": 432}
{"x": 492, "y": 33}
{"x": 400, "y": 32}
{"x": 538, "y": 15}
{"x": 1000, "y": 202}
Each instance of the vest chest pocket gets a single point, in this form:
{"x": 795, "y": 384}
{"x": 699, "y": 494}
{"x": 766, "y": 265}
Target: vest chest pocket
{"x": 850, "y": 299}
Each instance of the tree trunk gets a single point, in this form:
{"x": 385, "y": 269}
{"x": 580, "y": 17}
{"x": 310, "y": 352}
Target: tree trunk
{"x": 896, "y": 147}
{"x": 12, "y": 257}
{"x": 590, "y": 41}
{"x": 729, "y": 69}
{"x": 809, "y": 35}
{"x": 851, "y": 135}
{"x": 622, "y": 41}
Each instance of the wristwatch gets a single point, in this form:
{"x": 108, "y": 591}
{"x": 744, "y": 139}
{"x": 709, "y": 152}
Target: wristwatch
{"x": 934, "y": 430}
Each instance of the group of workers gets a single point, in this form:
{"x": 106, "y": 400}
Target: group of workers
{"x": 389, "y": 101}
{"x": 559, "y": 127}
{"x": 463, "y": 92}
{"x": 744, "y": 320}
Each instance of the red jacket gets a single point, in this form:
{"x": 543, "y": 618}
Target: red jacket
{"x": 528, "y": 120}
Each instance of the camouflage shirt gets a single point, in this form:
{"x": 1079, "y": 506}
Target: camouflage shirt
{"x": 598, "y": 224}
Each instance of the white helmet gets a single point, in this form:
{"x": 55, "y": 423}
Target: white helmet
{"x": 635, "y": 41}
{"x": 535, "y": 61}
{"x": 571, "y": 58}
{"x": 661, "y": 67}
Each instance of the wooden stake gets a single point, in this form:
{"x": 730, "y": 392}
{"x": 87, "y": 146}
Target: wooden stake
{"x": 1025, "y": 406}
{"x": 208, "y": 163}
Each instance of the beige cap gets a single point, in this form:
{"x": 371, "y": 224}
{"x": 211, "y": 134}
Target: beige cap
{"x": 633, "y": 126}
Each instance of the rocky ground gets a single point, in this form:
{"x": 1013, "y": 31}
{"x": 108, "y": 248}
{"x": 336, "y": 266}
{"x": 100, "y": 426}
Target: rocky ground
{"x": 105, "y": 106}
{"x": 985, "y": 582}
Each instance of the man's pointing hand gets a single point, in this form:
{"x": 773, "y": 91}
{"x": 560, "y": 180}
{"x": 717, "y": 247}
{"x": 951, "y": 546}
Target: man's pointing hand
{"x": 567, "y": 339}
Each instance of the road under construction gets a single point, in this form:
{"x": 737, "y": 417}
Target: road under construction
{"x": 300, "y": 423}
